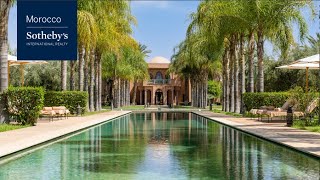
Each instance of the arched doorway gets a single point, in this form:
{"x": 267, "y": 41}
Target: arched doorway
{"x": 159, "y": 97}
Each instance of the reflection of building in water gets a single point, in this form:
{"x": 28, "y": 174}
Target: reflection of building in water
{"x": 162, "y": 88}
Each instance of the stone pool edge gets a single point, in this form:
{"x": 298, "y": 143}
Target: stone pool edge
{"x": 237, "y": 126}
{"x": 16, "y": 141}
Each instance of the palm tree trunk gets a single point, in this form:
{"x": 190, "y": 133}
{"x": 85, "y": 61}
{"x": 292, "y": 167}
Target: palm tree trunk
{"x": 260, "y": 51}
{"x": 85, "y": 70}
{"x": 4, "y": 16}
{"x": 128, "y": 93}
{"x": 91, "y": 95}
{"x": 118, "y": 92}
{"x": 123, "y": 87}
{"x": 205, "y": 91}
{"x": 196, "y": 98}
{"x": 63, "y": 75}
{"x": 251, "y": 62}
{"x": 96, "y": 84}
{"x": 231, "y": 80}
{"x": 193, "y": 91}
{"x": 236, "y": 77}
{"x": 81, "y": 64}
{"x": 100, "y": 84}
{"x": 134, "y": 94}
{"x": 72, "y": 78}
{"x": 226, "y": 100}
{"x": 199, "y": 85}
{"x": 242, "y": 74}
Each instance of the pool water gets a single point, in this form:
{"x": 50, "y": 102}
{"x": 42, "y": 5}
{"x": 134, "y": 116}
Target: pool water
{"x": 162, "y": 146}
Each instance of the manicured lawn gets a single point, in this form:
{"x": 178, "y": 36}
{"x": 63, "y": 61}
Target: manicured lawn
{"x": 133, "y": 107}
{"x": 309, "y": 128}
{"x": 217, "y": 109}
{"x": 96, "y": 112}
{"x": 9, "y": 127}
{"x": 313, "y": 126}
{"x": 184, "y": 107}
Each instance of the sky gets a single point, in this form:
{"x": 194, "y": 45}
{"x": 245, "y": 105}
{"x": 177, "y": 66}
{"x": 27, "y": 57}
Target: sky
{"x": 162, "y": 25}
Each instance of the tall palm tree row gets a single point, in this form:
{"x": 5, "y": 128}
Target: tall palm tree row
{"x": 192, "y": 58}
{"x": 228, "y": 30}
{"x": 129, "y": 66}
{"x": 104, "y": 28}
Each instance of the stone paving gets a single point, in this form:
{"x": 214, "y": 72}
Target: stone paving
{"x": 308, "y": 142}
{"x": 20, "y": 139}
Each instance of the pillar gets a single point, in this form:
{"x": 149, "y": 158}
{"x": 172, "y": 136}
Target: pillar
{"x": 145, "y": 97}
{"x": 152, "y": 97}
{"x": 189, "y": 90}
{"x": 164, "y": 97}
{"x": 172, "y": 96}
{"x": 177, "y": 97}
{"x": 140, "y": 102}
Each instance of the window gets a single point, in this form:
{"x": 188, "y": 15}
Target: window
{"x": 158, "y": 75}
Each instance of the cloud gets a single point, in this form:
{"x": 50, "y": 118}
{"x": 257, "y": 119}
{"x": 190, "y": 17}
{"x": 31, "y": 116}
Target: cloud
{"x": 153, "y": 4}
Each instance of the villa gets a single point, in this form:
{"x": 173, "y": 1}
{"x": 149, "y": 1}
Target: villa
{"x": 163, "y": 88}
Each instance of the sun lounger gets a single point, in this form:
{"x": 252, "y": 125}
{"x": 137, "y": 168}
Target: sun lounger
{"x": 48, "y": 111}
{"x": 263, "y": 109}
{"x": 55, "y": 111}
{"x": 61, "y": 111}
{"x": 278, "y": 112}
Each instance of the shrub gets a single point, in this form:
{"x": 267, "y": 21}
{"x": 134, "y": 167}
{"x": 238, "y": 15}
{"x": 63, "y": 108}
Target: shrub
{"x": 69, "y": 99}
{"x": 214, "y": 90}
{"x": 256, "y": 100}
{"x": 24, "y": 103}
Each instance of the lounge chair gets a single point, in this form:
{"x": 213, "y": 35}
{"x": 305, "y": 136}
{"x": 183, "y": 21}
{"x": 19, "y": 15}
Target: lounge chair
{"x": 61, "y": 111}
{"x": 278, "y": 112}
{"x": 263, "y": 109}
{"x": 48, "y": 111}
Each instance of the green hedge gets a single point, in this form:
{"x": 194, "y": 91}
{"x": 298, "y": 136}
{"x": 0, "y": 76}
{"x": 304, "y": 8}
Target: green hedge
{"x": 23, "y": 103}
{"x": 256, "y": 100}
{"x": 69, "y": 99}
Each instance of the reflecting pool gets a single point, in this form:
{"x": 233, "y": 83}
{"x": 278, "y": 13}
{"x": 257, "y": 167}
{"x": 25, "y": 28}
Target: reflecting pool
{"x": 162, "y": 146}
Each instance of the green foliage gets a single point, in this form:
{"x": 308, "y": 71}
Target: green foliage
{"x": 312, "y": 126}
{"x": 256, "y": 100}
{"x": 23, "y": 103}
{"x": 130, "y": 65}
{"x": 289, "y": 78}
{"x": 69, "y": 99}
{"x": 214, "y": 89}
{"x": 44, "y": 75}
{"x": 301, "y": 98}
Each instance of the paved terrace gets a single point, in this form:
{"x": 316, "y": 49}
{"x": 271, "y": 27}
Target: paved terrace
{"x": 308, "y": 142}
{"x": 16, "y": 140}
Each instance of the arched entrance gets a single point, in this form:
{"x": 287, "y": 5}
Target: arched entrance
{"x": 159, "y": 97}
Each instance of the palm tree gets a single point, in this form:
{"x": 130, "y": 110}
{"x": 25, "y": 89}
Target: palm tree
{"x": 274, "y": 20}
{"x": 218, "y": 21}
{"x": 72, "y": 77}
{"x": 251, "y": 46}
{"x": 87, "y": 35}
{"x": 4, "y": 17}
{"x": 64, "y": 75}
